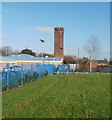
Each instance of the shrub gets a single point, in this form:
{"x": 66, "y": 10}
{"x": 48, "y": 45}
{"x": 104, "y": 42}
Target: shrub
{"x": 35, "y": 75}
{"x": 19, "y": 81}
{"x": 5, "y": 87}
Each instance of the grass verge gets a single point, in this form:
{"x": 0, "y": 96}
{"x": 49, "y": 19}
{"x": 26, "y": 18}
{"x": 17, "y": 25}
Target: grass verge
{"x": 60, "y": 96}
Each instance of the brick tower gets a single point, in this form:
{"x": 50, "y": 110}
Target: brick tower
{"x": 58, "y": 41}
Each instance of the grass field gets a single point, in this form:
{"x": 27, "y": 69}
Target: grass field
{"x": 60, "y": 96}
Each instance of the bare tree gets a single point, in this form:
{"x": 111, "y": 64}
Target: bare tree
{"x": 15, "y": 52}
{"x": 92, "y": 48}
{"x": 70, "y": 59}
{"x": 6, "y": 50}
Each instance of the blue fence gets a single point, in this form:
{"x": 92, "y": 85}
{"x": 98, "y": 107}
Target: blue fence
{"x": 19, "y": 75}
{"x": 13, "y": 76}
{"x": 63, "y": 68}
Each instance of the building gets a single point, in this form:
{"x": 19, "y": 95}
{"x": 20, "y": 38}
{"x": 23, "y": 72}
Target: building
{"x": 58, "y": 41}
{"x": 28, "y": 59}
{"x": 93, "y": 64}
{"x": 102, "y": 62}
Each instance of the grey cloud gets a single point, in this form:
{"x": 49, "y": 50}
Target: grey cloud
{"x": 47, "y": 30}
{"x": 5, "y": 36}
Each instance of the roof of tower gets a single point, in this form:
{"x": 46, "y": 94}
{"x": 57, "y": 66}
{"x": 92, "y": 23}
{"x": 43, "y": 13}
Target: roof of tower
{"x": 58, "y": 28}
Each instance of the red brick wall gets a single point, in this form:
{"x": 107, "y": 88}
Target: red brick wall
{"x": 93, "y": 64}
{"x": 58, "y": 41}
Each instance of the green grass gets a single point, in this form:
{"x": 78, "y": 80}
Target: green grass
{"x": 60, "y": 96}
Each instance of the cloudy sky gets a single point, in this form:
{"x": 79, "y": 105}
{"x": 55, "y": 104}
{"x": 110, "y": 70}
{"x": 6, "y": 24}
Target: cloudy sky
{"x": 25, "y": 23}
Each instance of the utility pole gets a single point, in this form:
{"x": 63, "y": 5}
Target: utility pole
{"x": 6, "y": 50}
{"x": 78, "y": 56}
{"x": 42, "y": 48}
{"x": 78, "y": 59}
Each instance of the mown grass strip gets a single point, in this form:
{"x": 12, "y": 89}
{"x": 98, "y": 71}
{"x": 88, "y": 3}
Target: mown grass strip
{"x": 60, "y": 96}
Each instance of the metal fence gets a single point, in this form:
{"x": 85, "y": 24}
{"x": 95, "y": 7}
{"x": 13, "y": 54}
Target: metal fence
{"x": 96, "y": 69}
{"x": 13, "y": 76}
{"x": 19, "y": 75}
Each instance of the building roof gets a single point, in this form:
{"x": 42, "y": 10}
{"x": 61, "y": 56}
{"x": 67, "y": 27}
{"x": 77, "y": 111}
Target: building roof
{"x": 26, "y": 57}
{"x": 101, "y": 61}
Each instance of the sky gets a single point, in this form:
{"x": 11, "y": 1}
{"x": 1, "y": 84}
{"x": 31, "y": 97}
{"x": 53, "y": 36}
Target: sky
{"x": 25, "y": 23}
{"x": 55, "y": 0}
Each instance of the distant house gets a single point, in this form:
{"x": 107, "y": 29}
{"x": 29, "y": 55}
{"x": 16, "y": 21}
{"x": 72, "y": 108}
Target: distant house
{"x": 94, "y": 64}
{"x": 84, "y": 64}
{"x": 102, "y": 62}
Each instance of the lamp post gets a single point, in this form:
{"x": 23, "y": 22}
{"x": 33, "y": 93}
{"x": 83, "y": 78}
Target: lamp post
{"x": 42, "y": 48}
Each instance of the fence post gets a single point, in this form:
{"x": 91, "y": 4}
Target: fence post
{"x": 67, "y": 72}
{"x": 8, "y": 72}
{"x": 8, "y": 65}
{"x": 22, "y": 68}
{"x": 57, "y": 72}
{"x": 31, "y": 69}
{"x": 31, "y": 66}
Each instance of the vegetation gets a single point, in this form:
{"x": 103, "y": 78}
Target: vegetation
{"x": 45, "y": 54}
{"x": 70, "y": 59}
{"x": 7, "y": 51}
{"x": 28, "y": 51}
{"x": 44, "y": 74}
{"x": 92, "y": 48}
{"x": 19, "y": 81}
{"x": 26, "y": 79}
{"x": 4, "y": 88}
{"x": 60, "y": 96}
{"x": 35, "y": 75}
{"x": 110, "y": 62}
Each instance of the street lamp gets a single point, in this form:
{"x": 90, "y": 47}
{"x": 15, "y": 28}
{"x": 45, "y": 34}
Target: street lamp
{"x": 42, "y": 48}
